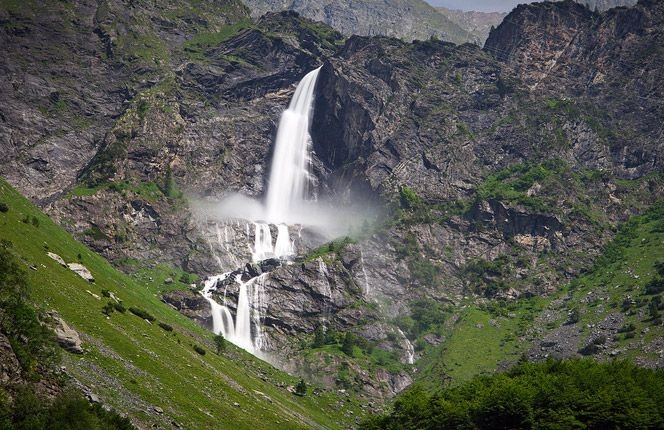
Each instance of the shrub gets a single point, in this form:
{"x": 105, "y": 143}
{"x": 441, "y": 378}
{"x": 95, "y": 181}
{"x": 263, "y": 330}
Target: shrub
{"x": 220, "y": 343}
{"x": 141, "y": 313}
{"x": 319, "y": 337}
{"x": 348, "y": 344}
{"x": 551, "y": 395}
{"x": 119, "y": 307}
{"x": 3, "y": 207}
{"x": 108, "y": 309}
{"x": 301, "y": 388}
{"x": 106, "y": 293}
{"x": 199, "y": 350}
{"x": 165, "y": 326}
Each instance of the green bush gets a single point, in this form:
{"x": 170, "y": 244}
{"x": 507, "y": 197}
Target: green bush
{"x": 108, "y": 309}
{"x": 165, "y": 326}
{"x": 141, "y": 313}
{"x": 301, "y": 388}
{"x": 199, "y": 350}
{"x": 3, "y": 207}
{"x": 220, "y": 343}
{"x": 548, "y": 395}
{"x": 119, "y": 307}
{"x": 32, "y": 342}
{"x": 68, "y": 411}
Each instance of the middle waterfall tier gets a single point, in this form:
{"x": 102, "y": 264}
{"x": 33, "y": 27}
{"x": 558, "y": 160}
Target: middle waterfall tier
{"x": 263, "y": 247}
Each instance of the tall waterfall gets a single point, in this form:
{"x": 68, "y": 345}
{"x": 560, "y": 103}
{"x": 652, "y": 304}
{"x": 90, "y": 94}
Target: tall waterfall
{"x": 289, "y": 178}
{"x": 289, "y": 173}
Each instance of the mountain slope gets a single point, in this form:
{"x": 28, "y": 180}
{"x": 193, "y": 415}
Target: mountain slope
{"x": 153, "y": 375}
{"x": 405, "y": 19}
{"x": 476, "y": 23}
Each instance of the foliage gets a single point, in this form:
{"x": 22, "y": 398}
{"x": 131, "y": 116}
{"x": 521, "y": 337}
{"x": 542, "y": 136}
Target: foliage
{"x": 301, "y": 388}
{"x": 334, "y": 247}
{"x": 4, "y": 207}
{"x": 549, "y": 395}
{"x": 166, "y": 327}
{"x": 511, "y": 184}
{"x": 348, "y": 344}
{"x": 199, "y": 350}
{"x": 68, "y": 411}
{"x": 141, "y": 313}
{"x": 31, "y": 340}
{"x": 220, "y": 343}
{"x": 319, "y": 337}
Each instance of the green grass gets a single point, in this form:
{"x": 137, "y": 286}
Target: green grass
{"x": 479, "y": 341}
{"x": 133, "y": 365}
{"x": 195, "y": 47}
{"x": 622, "y": 272}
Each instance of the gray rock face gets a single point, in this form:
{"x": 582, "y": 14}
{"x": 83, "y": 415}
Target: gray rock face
{"x": 405, "y": 19}
{"x": 66, "y": 336}
{"x": 81, "y": 271}
{"x": 10, "y": 368}
{"x": 191, "y": 304}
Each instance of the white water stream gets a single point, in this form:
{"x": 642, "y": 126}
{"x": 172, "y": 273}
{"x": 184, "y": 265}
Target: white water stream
{"x": 287, "y": 191}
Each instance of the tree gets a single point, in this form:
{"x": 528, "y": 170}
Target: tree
{"x": 319, "y": 337}
{"x": 348, "y": 344}
{"x": 301, "y": 388}
{"x": 220, "y": 343}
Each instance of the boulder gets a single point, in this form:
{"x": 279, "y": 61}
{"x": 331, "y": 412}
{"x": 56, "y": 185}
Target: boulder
{"x": 82, "y": 271}
{"x": 67, "y": 337}
{"x": 57, "y": 258}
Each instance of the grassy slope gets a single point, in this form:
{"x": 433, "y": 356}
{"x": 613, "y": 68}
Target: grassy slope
{"x": 133, "y": 365}
{"x": 483, "y": 338}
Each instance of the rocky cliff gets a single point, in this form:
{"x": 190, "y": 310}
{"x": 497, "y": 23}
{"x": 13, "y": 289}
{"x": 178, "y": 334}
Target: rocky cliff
{"x": 477, "y": 23}
{"x": 500, "y": 172}
{"x": 405, "y": 19}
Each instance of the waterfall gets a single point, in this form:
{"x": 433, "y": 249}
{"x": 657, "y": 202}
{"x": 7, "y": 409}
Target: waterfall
{"x": 367, "y": 287}
{"x": 284, "y": 246}
{"x": 262, "y": 242}
{"x": 250, "y": 309}
{"x": 287, "y": 190}
{"x": 410, "y": 350}
{"x": 322, "y": 269}
{"x": 289, "y": 173}
{"x": 263, "y": 248}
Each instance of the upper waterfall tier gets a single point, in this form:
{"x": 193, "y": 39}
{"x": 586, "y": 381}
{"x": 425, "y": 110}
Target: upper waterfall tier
{"x": 289, "y": 173}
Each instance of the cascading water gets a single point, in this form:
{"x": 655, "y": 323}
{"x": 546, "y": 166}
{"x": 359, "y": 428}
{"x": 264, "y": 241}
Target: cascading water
{"x": 250, "y": 306}
{"x": 289, "y": 173}
{"x": 287, "y": 188}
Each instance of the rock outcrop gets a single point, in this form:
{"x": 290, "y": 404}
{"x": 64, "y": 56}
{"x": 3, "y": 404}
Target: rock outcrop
{"x": 405, "y": 19}
{"x": 10, "y": 368}
{"x": 66, "y": 336}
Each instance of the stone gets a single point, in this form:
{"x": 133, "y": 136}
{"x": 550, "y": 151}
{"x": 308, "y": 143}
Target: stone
{"x": 168, "y": 281}
{"x": 10, "y": 368}
{"x": 66, "y": 336}
{"x": 81, "y": 271}
{"x": 57, "y": 258}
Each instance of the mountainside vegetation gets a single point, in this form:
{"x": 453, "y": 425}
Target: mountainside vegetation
{"x": 549, "y": 395}
{"x": 505, "y": 208}
{"x": 153, "y": 375}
